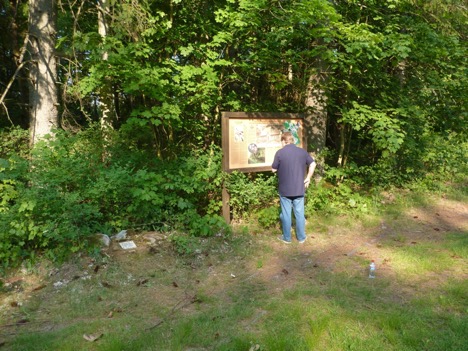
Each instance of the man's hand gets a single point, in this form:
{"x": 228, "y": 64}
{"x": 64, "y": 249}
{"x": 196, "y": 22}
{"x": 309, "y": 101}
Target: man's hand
{"x": 310, "y": 174}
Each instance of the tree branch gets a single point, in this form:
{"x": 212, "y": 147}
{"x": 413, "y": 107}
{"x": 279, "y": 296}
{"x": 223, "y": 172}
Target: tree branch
{"x": 21, "y": 63}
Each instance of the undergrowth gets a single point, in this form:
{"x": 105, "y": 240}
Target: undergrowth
{"x": 70, "y": 187}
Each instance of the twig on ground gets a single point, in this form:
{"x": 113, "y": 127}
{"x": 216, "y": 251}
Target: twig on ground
{"x": 186, "y": 301}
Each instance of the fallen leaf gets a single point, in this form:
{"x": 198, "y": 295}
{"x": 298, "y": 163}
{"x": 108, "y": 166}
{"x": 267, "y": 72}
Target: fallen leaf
{"x": 285, "y": 271}
{"x": 110, "y": 315}
{"x": 174, "y": 284}
{"x": 436, "y": 229}
{"x": 106, "y": 285}
{"x": 142, "y": 282}
{"x": 92, "y": 337}
{"x": 39, "y": 287}
{"x": 96, "y": 269}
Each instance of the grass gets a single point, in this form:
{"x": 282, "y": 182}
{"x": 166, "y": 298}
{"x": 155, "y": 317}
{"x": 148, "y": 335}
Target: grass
{"x": 250, "y": 292}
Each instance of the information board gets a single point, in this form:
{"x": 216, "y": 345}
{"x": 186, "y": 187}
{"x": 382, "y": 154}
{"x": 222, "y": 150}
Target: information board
{"x": 250, "y": 140}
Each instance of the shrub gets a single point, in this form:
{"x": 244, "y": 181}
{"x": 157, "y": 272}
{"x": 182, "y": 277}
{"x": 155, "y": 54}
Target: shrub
{"x": 73, "y": 188}
{"x": 250, "y": 192}
{"x": 336, "y": 199}
{"x": 269, "y": 217}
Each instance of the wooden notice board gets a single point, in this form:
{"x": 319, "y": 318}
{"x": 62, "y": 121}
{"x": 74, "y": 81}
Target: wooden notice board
{"x": 250, "y": 140}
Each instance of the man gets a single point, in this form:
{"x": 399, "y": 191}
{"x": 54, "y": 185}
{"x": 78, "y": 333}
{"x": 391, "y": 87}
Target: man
{"x": 290, "y": 163}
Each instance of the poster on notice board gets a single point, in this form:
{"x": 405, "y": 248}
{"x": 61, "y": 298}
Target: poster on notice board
{"x": 250, "y": 140}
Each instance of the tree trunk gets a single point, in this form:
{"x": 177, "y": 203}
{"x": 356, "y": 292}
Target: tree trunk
{"x": 106, "y": 99}
{"x": 316, "y": 102}
{"x": 43, "y": 70}
{"x": 316, "y": 119}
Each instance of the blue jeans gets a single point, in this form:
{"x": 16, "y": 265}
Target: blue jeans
{"x": 297, "y": 205}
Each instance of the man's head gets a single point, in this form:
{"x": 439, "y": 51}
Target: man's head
{"x": 287, "y": 138}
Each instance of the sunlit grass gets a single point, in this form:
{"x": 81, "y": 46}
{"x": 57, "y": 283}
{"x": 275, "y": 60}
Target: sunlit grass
{"x": 418, "y": 260}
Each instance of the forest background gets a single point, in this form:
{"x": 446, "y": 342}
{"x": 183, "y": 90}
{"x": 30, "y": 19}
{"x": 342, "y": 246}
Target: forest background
{"x": 110, "y": 113}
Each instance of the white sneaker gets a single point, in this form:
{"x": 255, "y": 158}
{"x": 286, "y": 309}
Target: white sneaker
{"x": 280, "y": 238}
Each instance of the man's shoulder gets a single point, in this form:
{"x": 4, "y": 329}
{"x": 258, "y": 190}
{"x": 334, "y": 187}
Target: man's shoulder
{"x": 300, "y": 152}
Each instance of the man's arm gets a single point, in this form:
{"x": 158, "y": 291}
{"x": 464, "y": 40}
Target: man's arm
{"x": 273, "y": 170}
{"x": 310, "y": 174}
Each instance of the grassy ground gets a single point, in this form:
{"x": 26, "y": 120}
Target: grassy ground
{"x": 251, "y": 292}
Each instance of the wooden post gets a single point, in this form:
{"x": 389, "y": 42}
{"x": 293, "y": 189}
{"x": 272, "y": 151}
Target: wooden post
{"x": 226, "y": 207}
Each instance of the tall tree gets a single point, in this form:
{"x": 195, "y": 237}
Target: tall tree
{"x": 106, "y": 101}
{"x": 43, "y": 70}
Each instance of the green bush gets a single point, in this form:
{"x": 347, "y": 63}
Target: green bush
{"x": 336, "y": 199}
{"x": 424, "y": 159}
{"x": 250, "y": 192}
{"x": 73, "y": 187}
{"x": 269, "y": 216}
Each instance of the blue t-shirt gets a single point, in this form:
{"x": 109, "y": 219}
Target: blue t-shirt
{"x": 291, "y": 162}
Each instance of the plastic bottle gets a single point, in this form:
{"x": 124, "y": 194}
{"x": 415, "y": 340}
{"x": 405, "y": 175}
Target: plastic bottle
{"x": 372, "y": 269}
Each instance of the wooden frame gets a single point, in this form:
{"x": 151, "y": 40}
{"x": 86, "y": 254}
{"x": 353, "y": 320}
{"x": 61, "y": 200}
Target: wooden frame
{"x": 251, "y": 139}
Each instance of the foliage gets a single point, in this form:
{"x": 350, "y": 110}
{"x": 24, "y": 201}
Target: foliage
{"x": 67, "y": 194}
{"x": 184, "y": 244}
{"x": 250, "y": 192}
{"x": 392, "y": 74}
{"x": 429, "y": 159}
{"x": 15, "y": 140}
{"x": 385, "y": 131}
{"x": 340, "y": 199}
{"x": 268, "y": 217}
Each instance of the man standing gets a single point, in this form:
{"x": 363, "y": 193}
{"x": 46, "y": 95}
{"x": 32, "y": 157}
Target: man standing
{"x": 291, "y": 163}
